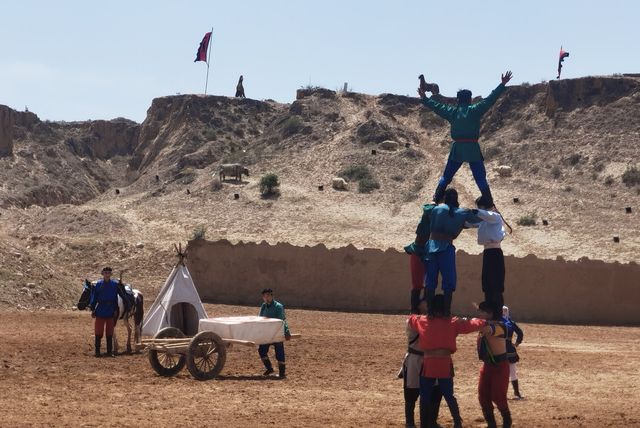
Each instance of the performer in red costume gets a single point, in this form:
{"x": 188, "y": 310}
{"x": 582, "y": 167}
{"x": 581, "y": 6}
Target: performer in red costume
{"x": 438, "y": 341}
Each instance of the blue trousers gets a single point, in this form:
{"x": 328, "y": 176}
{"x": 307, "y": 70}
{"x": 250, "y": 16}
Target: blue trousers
{"x": 443, "y": 263}
{"x": 263, "y": 350}
{"x": 477, "y": 169}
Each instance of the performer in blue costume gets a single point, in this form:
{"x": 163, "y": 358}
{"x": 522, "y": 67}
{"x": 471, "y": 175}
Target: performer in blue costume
{"x": 447, "y": 221}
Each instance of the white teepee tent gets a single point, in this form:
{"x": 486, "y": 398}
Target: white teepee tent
{"x": 177, "y": 305}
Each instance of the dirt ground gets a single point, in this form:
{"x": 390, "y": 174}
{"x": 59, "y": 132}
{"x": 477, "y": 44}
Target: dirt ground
{"x": 340, "y": 373}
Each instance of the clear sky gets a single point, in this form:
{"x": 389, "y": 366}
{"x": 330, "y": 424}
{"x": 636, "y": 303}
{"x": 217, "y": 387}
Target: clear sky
{"x": 78, "y": 60}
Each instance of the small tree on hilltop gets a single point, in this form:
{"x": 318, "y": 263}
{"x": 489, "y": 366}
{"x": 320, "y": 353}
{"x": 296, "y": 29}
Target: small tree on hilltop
{"x": 269, "y": 184}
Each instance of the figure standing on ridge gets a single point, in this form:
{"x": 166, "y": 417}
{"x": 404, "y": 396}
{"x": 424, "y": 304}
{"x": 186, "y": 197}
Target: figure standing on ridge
{"x": 465, "y": 131}
{"x": 273, "y": 309}
{"x": 240, "y": 88}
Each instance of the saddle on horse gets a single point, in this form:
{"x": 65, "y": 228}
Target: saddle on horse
{"x": 128, "y": 298}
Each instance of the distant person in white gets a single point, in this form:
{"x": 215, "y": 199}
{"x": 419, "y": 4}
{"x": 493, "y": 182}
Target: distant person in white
{"x": 491, "y": 232}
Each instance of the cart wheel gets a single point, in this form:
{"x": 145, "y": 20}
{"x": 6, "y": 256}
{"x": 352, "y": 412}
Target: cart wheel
{"x": 163, "y": 363}
{"x": 206, "y": 356}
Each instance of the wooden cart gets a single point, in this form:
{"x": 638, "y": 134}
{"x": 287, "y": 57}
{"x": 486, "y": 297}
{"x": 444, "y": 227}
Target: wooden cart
{"x": 204, "y": 354}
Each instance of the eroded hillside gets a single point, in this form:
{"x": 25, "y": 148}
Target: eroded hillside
{"x": 569, "y": 143}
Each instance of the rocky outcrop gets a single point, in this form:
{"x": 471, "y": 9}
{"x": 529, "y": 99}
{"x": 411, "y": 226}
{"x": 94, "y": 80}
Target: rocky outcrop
{"x": 102, "y": 139}
{"x": 319, "y": 92}
{"x": 114, "y": 137}
{"x": 176, "y": 123}
{"x": 587, "y": 91}
{"x": 6, "y": 130}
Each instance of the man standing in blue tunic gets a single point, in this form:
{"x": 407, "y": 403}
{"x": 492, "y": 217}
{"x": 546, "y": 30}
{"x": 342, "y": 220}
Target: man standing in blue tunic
{"x": 103, "y": 304}
{"x": 273, "y": 309}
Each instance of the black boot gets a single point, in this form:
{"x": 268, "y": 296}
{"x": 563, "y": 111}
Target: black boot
{"x": 267, "y": 366}
{"x": 455, "y": 413}
{"x": 410, "y": 397}
{"x": 488, "y": 198}
{"x": 438, "y": 196}
{"x": 431, "y": 294}
{"x": 506, "y": 418}
{"x": 415, "y": 300}
{"x": 491, "y": 420}
{"x": 516, "y": 388}
{"x": 110, "y": 347}
{"x": 448, "y": 297}
{"x": 281, "y": 370}
{"x": 98, "y": 340}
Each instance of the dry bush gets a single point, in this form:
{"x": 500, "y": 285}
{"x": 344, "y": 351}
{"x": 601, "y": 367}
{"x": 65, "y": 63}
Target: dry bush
{"x": 355, "y": 173}
{"x": 528, "y": 219}
{"x": 292, "y": 126}
{"x": 572, "y": 160}
{"x": 524, "y": 130}
{"x": 198, "y": 233}
{"x": 368, "y": 185}
{"x": 631, "y": 177}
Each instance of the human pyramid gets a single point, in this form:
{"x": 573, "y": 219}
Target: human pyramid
{"x": 428, "y": 366}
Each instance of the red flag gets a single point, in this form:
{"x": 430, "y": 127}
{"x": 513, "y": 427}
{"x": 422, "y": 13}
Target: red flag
{"x": 561, "y": 58}
{"x": 201, "y": 55}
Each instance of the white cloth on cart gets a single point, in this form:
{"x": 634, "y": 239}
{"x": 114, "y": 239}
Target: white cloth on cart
{"x": 259, "y": 330}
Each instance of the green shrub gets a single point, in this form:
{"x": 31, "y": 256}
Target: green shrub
{"x": 368, "y": 185}
{"x": 198, "y": 233}
{"x": 631, "y": 177}
{"x": 528, "y": 219}
{"x": 269, "y": 184}
{"x": 292, "y": 126}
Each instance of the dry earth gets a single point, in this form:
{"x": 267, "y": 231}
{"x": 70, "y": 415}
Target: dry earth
{"x": 340, "y": 373}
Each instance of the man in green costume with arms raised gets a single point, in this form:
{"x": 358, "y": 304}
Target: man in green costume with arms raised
{"x": 465, "y": 132}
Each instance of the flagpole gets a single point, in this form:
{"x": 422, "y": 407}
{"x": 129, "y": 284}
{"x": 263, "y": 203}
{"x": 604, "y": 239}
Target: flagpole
{"x": 208, "y": 59}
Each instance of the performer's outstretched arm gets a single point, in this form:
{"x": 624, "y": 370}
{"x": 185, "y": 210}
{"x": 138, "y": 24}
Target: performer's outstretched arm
{"x": 445, "y": 111}
{"x": 484, "y": 105}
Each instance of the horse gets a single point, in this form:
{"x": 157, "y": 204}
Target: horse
{"x": 136, "y": 311}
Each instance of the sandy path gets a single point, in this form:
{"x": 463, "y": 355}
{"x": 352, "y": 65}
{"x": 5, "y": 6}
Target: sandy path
{"x": 340, "y": 374}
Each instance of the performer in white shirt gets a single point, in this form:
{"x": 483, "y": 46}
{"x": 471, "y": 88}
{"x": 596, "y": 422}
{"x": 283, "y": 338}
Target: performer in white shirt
{"x": 491, "y": 232}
